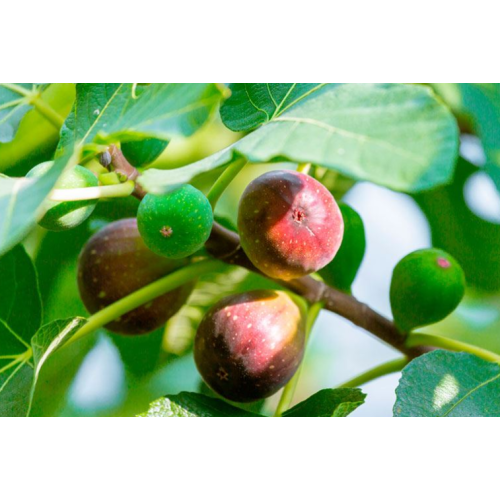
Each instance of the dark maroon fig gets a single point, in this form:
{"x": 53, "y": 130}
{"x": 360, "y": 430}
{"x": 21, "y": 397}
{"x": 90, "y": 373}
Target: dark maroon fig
{"x": 114, "y": 263}
{"x": 248, "y": 346}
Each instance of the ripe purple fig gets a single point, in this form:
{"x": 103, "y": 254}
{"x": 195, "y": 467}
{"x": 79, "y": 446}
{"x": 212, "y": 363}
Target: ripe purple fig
{"x": 114, "y": 263}
{"x": 289, "y": 224}
{"x": 248, "y": 346}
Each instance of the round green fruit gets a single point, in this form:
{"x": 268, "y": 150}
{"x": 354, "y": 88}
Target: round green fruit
{"x": 341, "y": 271}
{"x": 248, "y": 346}
{"x": 289, "y": 224}
{"x": 427, "y": 285}
{"x": 177, "y": 224}
{"x": 114, "y": 263}
{"x": 62, "y": 215}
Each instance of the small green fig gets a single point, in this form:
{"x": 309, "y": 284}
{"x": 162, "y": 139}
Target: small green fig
{"x": 114, "y": 263}
{"x": 427, "y": 285}
{"x": 248, "y": 346}
{"x": 341, "y": 271}
{"x": 289, "y": 224}
{"x": 176, "y": 224}
{"x": 62, "y": 215}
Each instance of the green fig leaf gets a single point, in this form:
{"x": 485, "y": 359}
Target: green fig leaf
{"x": 188, "y": 404}
{"x": 328, "y": 403}
{"x": 449, "y": 384}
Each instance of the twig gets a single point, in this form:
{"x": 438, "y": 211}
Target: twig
{"x": 224, "y": 245}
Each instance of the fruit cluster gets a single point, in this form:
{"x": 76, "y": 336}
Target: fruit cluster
{"x": 248, "y": 345}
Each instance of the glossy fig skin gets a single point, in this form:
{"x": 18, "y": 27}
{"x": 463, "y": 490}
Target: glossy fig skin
{"x": 289, "y": 224}
{"x": 114, "y": 263}
{"x": 248, "y": 346}
{"x": 427, "y": 285}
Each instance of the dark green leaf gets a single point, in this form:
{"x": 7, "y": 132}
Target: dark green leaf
{"x": 20, "y": 303}
{"x": 252, "y": 104}
{"x": 449, "y": 384}
{"x": 188, "y": 404}
{"x": 13, "y": 106}
{"x": 16, "y": 373}
{"x": 457, "y": 230}
{"x": 398, "y": 136}
{"x": 328, "y": 403}
{"x": 142, "y": 153}
{"x": 21, "y": 199}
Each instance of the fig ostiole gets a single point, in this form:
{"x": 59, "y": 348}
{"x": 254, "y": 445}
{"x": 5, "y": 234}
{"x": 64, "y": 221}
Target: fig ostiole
{"x": 176, "y": 224}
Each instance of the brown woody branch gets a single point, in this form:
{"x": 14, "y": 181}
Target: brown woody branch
{"x": 225, "y": 245}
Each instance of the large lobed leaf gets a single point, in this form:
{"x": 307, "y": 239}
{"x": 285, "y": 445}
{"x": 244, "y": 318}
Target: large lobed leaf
{"x": 399, "y": 136}
{"x": 449, "y": 384}
{"x": 108, "y": 112}
{"x": 325, "y": 403}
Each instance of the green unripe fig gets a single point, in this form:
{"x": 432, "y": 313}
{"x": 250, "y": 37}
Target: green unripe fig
{"x": 114, "y": 263}
{"x": 341, "y": 271}
{"x": 427, "y": 285}
{"x": 175, "y": 224}
{"x": 249, "y": 345}
{"x": 62, "y": 215}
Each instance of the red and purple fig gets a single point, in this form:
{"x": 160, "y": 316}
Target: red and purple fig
{"x": 114, "y": 263}
{"x": 248, "y": 346}
{"x": 289, "y": 224}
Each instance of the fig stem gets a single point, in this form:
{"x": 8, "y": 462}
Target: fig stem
{"x": 393, "y": 366}
{"x": 304, "y": 168}
{"x": 289, "y": 390}
{"x": 93, "y": 193}
{"x": 146, "y": 294}
{"x": 34, "y": 97}
{"x": 223, "y": 181}
{"x": 419, "y": 339}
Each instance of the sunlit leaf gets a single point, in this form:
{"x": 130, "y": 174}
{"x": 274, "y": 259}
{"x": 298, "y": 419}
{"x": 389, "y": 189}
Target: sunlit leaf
{"x": 328, "y": 403}
{"x": 449, "y": 384}
{"x": 21, "y": 200}
{"x": 399, "y": 136}
{"x": 13, "y": 106}
{"x": 188, "y": 404}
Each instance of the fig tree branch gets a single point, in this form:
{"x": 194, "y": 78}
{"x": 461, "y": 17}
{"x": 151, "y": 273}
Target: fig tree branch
{"x": 224, "y": 245}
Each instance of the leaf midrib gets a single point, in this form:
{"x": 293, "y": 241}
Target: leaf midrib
{"x": 465, "y": 396}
